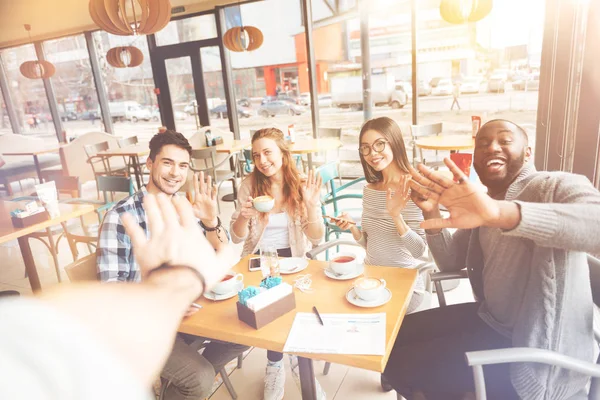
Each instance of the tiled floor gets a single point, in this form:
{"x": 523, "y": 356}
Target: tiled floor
{"x": 341, "y": 383}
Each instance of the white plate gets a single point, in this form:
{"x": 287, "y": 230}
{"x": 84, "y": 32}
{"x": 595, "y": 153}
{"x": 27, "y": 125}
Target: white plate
{"x": 330, "y": 274}
{"x": 218, "y": 297}
{"x": 291, "y": 265}
{"x": 357, "y": 301}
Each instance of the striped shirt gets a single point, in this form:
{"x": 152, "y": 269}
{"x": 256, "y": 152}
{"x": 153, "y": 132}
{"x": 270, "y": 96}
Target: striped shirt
{"x": 380, "y": 238}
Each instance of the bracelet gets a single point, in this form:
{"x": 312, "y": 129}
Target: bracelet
{"x": 216, "y": 228}
{"x": 314, "y": 222}
{"x": 198, "y": 274}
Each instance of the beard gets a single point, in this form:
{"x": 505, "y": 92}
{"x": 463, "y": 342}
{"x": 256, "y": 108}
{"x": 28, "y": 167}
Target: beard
{"x": 513, "y": 168}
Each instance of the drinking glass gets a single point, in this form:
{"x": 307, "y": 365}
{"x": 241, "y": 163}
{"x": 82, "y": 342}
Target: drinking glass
{"x": 269, "y": 261}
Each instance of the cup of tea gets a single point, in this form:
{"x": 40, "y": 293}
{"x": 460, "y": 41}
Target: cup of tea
{"x": 368, "y": 288}
{"x": 228, "y": 283}
{"x": 263, "y": 203}
{"x": 343, "y": 263}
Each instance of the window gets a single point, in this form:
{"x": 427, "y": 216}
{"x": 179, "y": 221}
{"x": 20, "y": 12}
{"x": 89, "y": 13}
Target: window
{"x": 4, "y": 120}
{"x": 187, "y": 30}
{"x": 132, "y": 104}
{"x": 74, "y": 86}
{"x": 275, "y": 69}
{"x": 29, "y": 95}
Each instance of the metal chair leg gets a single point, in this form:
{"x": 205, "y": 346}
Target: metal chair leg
{"x": 164, "y": 384}
{"x": 240, "y": 361}
{"x": 326, "y": 368}
{"x": 228, "y": 384}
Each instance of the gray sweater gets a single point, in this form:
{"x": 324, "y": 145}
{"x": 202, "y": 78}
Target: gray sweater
{"x": 541, "y": 295}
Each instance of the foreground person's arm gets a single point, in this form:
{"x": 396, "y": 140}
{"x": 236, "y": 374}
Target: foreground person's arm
{"x": 130, "y": 326}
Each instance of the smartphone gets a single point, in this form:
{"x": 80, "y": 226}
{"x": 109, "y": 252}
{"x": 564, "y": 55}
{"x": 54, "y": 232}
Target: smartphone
{"x": 254, "y": 264}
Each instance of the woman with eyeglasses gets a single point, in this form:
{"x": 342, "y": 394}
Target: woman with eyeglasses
{"x": 391, "y": 232}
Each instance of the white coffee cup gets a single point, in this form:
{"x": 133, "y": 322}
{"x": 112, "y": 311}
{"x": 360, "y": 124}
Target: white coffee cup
{"x": 263, "y": 203}
{"x": 368, "y": 288}
{"x": 343, "y": 263}
{"x": 228, "y": 283}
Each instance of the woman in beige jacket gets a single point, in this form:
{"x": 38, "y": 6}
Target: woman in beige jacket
{"x": 292, "y": 226}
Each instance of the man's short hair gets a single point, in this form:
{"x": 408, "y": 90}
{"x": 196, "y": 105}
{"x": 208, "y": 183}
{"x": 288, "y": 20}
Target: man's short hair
{"x": 519, "y": 128}
{"x": 166, "y": 138}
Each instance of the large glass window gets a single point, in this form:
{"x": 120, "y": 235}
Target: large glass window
{"x": 132, "y": 102}
{"x": 188, "y": 29}
{"x": 268, "y": 81}
{"x": 4, "y": 121}
{"x": 73, "y": 83}
{"x": 29, "y": 95}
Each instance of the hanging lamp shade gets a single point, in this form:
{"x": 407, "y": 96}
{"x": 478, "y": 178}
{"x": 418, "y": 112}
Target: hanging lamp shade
{"x": 243, "y": 38}
{"x": 130, "y": 17}
{"x": 124, "y": 57}
{"x": 461, "y": 11}
{"x": 37, "y": 69}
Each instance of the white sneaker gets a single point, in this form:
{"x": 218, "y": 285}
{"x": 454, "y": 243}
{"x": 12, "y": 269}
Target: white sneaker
{"x": 321, "y": 395}
{"x": 274, "y": 381}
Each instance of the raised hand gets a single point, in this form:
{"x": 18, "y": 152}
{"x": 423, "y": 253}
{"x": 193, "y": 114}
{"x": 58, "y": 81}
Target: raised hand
{"x": 396, "y": 202}
{"x": 175, "y": 239}
{"x": 205, "y": 199}
{"x": 248, "y": 211}
{"x": 469, "y": 207}
{"x": 311, "y": 190}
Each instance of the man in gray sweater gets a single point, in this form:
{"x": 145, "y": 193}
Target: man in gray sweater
{"x": 524, "y": 244}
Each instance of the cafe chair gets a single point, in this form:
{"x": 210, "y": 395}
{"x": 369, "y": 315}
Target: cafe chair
{"x": 425, "y": 269}
{"x": 205, "y": 160}
{"x": 198, "y": 345}
{"x": 335, "y": 195}
{"x": 477, "y": 359}
{"x": 132, "y": 141}
{"x": 83, "y": 269}
{"x": 101, "y": 165}
{"x": 419, "y": 131}
{"x": 89, "y": 233}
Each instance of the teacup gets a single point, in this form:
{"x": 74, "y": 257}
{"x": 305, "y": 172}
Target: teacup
{"x": 228, "y": 283}
{"x": 263, "y": 203}
{"x": 343, "y": 263}
{"x": 368, "y": 288}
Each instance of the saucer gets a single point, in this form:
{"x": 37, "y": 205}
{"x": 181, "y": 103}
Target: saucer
{"x": 357, "y": 301}
{"x": 218, "y": 297}
{"x": 343, "y": 277}
{"x": 291, "y": 265}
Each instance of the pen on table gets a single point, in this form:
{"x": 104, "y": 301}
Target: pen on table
{"x": 196, "y": 305}
{"x": 318, "y": 315}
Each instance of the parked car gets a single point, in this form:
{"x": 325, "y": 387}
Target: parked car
{"x": 424, "y": 88}
{"x": 89, "y": 115}
{"x": 444, "y": 87}
{"x": 278, "y": 107}
{"x": 471, "y": 84}
{"x": 325, "y": 100}
{"x": 529, "y": 82}
{"x": 221, "y": 112}
{"x": 434, "y": 81}
{"x": 68, "y": 116}
{"x": 406, "y": 88}
{"x": 280, "y": 97}
{"x": 244, "y": 102}
{"x": 305, "y": 99}
{"x": 497, "y": 83}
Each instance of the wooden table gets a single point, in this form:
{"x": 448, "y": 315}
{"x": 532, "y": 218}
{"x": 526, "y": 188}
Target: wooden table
{"x": 218, "y": 320}
{"x": 35, "y": 154}
{"x": 450, "y": 143}
{"x": 8, "y": 232}
{"x": 312, "y": 145}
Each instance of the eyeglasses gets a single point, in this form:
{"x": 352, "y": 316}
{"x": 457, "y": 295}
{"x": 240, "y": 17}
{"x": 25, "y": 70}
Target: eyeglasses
{"x": 378, "y": 146}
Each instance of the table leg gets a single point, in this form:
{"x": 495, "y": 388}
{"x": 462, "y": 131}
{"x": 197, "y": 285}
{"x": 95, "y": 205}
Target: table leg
{"x": 307, "y": 379}
{"x": 232, "y": 196}
{"x": 309, "y": 160}
{"x": 137, "y": 170}
{"x": 36, "y": 161}
{"x": 34, "y": 279}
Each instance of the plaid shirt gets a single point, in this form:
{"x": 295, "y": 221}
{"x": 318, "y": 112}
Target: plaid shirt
{"x": 115, "y": 259}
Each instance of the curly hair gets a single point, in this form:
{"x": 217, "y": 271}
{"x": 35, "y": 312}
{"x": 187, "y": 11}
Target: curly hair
{"x": 390, "y": 130}
{"x": 261, "y": 185}
{"x": 166, "y": 138}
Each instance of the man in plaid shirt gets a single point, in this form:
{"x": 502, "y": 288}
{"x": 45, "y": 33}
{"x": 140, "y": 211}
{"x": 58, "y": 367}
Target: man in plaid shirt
{"x": 191, "y": 375}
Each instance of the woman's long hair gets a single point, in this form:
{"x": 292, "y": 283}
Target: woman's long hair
{"x": 261, "y": 185}
{"x": 390, "y": 130}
